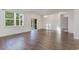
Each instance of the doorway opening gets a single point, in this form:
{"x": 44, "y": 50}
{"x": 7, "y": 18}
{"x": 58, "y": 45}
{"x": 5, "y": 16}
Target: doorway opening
{"x": 34, "y": 24}
{"x": 64, "y": 23}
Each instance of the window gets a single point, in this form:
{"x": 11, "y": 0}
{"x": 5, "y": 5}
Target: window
{"x": 9, "y": 18}
{"x": 12, "y": 19}
{"x": 17, "y": 19}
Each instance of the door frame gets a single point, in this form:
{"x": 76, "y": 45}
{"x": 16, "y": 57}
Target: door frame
{"x": 34, "y": 24}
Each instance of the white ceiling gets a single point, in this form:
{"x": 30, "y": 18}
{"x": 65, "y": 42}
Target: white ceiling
{"x": 46, "y": 11}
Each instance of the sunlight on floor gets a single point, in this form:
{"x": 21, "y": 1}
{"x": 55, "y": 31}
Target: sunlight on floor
{"x": 15, "y": 43}
{"x": 59, "y": 34}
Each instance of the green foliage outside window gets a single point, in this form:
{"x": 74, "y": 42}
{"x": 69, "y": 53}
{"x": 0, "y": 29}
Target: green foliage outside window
{"x": 20, "y": 20}
{"x": 17, "y": 19}
{"x": 9, "y": 15}
{"x": 17, "y": 16}
{"x": 9, "y": 22}
{"x": 9, "y": 18}
{"x": 17, "y": 22}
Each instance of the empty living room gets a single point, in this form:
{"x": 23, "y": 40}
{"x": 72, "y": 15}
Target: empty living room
{"x": 39, "y": 29}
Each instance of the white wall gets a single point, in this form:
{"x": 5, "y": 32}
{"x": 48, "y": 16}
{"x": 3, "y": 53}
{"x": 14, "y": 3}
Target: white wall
{"x": 70, "y": 15}
{"x": 55, "y": 20}
{"x": 73, "y": 21}
{"x": 70, "y": 21}
{"x": 18, "y": 29}
{"x": 76, "y": 24}
{"x": 52, "y": 20}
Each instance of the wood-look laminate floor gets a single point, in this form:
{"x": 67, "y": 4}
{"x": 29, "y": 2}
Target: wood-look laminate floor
{"x": 40, "y": 40}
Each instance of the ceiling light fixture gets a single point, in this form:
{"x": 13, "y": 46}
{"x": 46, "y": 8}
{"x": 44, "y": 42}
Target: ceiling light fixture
{"x": 45, "y": 16}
